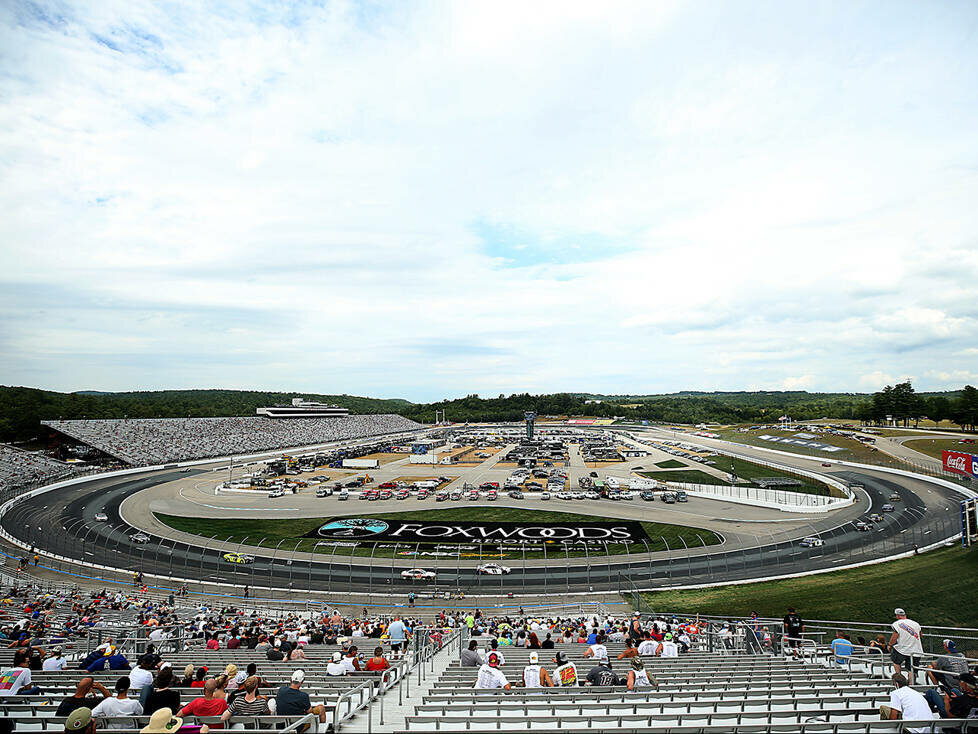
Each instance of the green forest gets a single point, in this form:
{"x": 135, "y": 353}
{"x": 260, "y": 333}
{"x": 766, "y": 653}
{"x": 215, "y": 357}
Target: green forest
{"x": 22, "y": 408}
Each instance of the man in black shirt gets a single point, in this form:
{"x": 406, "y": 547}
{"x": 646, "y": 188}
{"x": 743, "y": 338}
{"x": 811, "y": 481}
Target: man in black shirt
{"x": 602, "y": 674}
{"x": 80, "y": 697}
{"x": 793, "y": 629}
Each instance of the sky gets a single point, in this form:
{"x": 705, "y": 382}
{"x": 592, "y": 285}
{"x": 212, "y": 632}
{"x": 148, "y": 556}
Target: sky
{"x": 427, "y": 200}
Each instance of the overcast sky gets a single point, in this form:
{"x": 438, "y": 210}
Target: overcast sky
{"x": 428, "y": 200}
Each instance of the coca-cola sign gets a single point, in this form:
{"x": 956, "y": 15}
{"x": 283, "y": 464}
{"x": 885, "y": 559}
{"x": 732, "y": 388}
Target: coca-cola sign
{"x": 957, "y": 462}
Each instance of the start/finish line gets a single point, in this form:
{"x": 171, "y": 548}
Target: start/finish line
{"x": 801, "y": 442}
{"x": 509, "y": 533}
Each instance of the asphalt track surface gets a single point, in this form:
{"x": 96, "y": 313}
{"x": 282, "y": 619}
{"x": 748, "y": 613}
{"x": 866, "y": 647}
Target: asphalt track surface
{"x": 62, "y": 522}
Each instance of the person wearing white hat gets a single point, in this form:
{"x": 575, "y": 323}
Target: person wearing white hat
{"x": 535, "y": 675}
{"x": 905, "y": 647}
{"x": 56, "y": 660}
{"x": 336, "y": 666}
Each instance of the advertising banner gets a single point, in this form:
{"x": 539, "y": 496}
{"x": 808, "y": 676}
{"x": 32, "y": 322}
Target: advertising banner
{"x": 595, "y": 533}
{"x": 957, "y": 462}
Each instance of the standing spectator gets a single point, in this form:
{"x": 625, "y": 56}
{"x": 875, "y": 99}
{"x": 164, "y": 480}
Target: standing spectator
{"x": 398, "y": 635}
{"x": 906, "y": 703}
{"x": 793, "y": 629}
{"x": 120, "y": 705}
{"x": 905, "y": 644}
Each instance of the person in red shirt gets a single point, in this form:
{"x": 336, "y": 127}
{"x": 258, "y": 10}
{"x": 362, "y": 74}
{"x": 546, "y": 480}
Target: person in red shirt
{"x": 378, "y": 661}
{"x": 206, "y": 705}
{"x": 213, "y": 644}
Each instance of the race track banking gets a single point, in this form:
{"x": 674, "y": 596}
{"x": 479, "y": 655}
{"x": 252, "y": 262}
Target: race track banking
{"x": 62, "y": 522}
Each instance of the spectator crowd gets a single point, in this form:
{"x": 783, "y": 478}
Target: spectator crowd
{"x": 150, "y": 441}
{"x": 19, "y": 468}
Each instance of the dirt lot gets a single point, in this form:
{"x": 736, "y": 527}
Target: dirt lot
{"x": 385, "y": 458}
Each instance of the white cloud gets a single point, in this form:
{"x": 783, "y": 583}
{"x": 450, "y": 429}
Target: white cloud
{"x": 702, "y": 201}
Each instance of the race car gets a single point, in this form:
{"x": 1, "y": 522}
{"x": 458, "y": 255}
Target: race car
{"x": 276, "y": 493}
{"x": 139, "y": 538}
{"x": 894, "y": 497}
{"x": 888, "y": 508}
{"x": 101, "y": 517}
{"x": 418, "y": 574}
{"x": 493, "y": 569}
{"x": 875, "y": 517}
{"x": 238, "y": 558}
{"x": 811, "y": 542}
{"x": 861, "y": 526}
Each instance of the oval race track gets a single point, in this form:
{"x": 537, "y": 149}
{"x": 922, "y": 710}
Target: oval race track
{"x": 62, "y": 523}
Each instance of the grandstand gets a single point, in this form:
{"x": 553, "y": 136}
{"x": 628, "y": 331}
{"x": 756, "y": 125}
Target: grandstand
{"x": 20, "y": 468}
{"x": 152, "y": 441}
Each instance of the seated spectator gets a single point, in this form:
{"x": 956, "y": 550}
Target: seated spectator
{"x": 597, "y": 649}
{"x": 638, "y": 676}
{"x": 249, "y": 703}
{"x": 547, "y": 644}
{"x": 206, "y": 705}
{"x": 490, "y": 676}
{"x": 290, "y": 701}
{"x": 212, "y": 643}
{"x": 275, "y": 653}
{"x": 55, "y": 660}
{"x": 336, "y": 666}
{"x": 880, "y": 645}
{"x": 470, "y": 657}
{"x": 164, "y": 722}
{"x": 160, "y": 695}
{"x": 297, "y": 653}
{"x": 378, "y": 661}
{"x": 119, "y": 705}
{"x": 188, "y": 677}
{"x": 112, "y": 658}
{"x": 951, "y": 665}
{"x": 842, "y": 648}
{"x": 351, "y": 661}
{"x": 198, "y": 681}
{"x": 565, "y": 674}
{"x": 16, "y": 680}
{"x": 602, "y": 674}
{"x": 81, "y": 699}
{"x": 535, "y": 675}
{"x": 80, "y": 721}
{"x": 630, "y": 650}
{"x": 143, "y": 673}
{"x": 668, "y": 647}
{"x": 906, "y": 703}
{"x": 960, "y": 701}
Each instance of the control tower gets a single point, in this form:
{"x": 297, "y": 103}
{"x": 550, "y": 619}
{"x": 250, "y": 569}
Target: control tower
{"x": 530, "y": 418}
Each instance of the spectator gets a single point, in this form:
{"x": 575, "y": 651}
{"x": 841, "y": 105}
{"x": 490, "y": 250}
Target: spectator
{"x": 879, "y": 645}
{"x": 17, "y": 680}
{"x": 55, "y": 660}
{"x": 951, "y": 666}
{"x": 275, "y": 652}
{"x": 794, "y": 627}
{"x": 955, "y": 700}
{"x": 494, "y": 647}
{"x": 547, "y": 644}
{"x": 198, "y": 681}
{"x": 161, "y": 696}
{"x": 120, "y": 705}
{"x": 336, "y": 667}
{"x": 630, "y": 651}
{"x": 163, "y": 722}
{"x": 296, "y": 653}
{"x": 842, "y": 648}
{"x": 80, "y": 721}
{"x": 906, "y": 703}
{"x": 206, "y": 705}
{"x": 597, "y": 650}
{"x": 602, "y": 674}
{"x": 378, "y": 661}
{"x": 638, "y": 676}
{"x": 113, "y": 658}
{"x": 143, "y": 674}
{"x": 290, "y": 701}
{"x": 351, "y": 661}
{"x": 188, "y": 677}
{"x": 249, "y": 704}
{"x": 905, "y": 644}
{"x": 398, "y": 635}
{"x": 667, "y": 648}
{"x": 470, "y": 657}
{"x": 535, "y": 675}
{"x": 490, "y": 676}
{"x": 81, "y": 699}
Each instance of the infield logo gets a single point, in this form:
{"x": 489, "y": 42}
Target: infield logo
{"x": 353, "y": 528}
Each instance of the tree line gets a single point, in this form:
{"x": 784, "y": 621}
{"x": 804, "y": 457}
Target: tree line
{"x": 22, "y": 409}
{"x": 902, "y": 404}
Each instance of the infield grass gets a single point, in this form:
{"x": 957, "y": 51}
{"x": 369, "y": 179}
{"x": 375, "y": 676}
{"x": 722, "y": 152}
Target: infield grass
{"x": 935, "y": 588}
{"x": 287, "y": 534}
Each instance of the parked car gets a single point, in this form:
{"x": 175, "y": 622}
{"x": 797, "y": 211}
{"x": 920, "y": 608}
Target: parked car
{"x": 441, "y": 496}
{"x": 418, "y": 574}
{"x": 681, "y": 496}
{"x": 669, "y": 498}
{"x": 593, "y": 475}
{"x": 648, "y": 495}
{"x": 545, "y": 495}
{"x": 343, "y": 495}
{"x": 592, "y": 495}
{"x": 324, "y": 492}
{"x": 516, "y": 494}
{"x": 278, "y": 492}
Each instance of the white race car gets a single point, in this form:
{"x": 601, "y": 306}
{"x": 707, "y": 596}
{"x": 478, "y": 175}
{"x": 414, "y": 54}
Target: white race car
{"x": 811, "y": 542}
{"x": 494, "y": 569}
{"x": 418, "y": 574}
{"x": 139, "y": 538}
{"x": 101, "y": 517}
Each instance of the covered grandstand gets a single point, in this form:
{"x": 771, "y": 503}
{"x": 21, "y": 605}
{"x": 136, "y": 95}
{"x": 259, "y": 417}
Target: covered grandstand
{"x": 150, "y": 441}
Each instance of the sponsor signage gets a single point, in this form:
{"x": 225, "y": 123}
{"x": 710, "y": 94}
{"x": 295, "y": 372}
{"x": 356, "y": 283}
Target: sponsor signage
{"x": 957, "y": 462}
{"x": 802, "y": 442}
{"x": 595, "y": 533}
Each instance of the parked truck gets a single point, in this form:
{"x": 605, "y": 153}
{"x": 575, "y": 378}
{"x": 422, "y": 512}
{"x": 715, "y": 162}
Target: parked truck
{"x": 360, "y": 463}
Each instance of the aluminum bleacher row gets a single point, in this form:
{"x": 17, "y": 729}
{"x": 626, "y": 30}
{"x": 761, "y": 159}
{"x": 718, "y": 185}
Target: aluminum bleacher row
{"x": 697, "y": 692}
